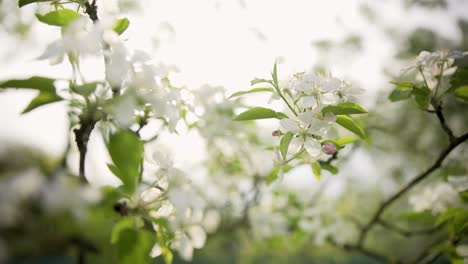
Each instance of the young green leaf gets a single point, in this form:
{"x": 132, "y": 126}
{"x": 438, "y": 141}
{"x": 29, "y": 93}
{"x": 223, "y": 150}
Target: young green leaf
{"x": 462, "y": 92}
{"x": 329, "y": 167}
{"x": 346, "y": 140}
{"x": 85, "y": 89}
{"x": 41, "y": 99}
{"x": 126, "y": 152}
{"x": 121, "y": 25}
{"x": 398, "y": 95}
{"x": 134, "y": 246}
{"x": 61, "y": 17}
{"x": 275, "y": 75}
{"x": 124, "y": 223}
{"x": 42, "y": 84}
{"x": 22, "y": 3}
{"x": 422, "y": 96}
{"x": 317, "y": 170}
{"x": 345, "y": 108}
{"x": 259, "y": 113}
{"x": 404, "y": 86}
{"x": 257, "y": 80}
{"x": 348, "y": 123}
{"x": 284, "y": 144}
{"x": 254, "y": 90}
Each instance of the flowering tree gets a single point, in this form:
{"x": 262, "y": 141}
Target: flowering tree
{"x": 161, "y": 210}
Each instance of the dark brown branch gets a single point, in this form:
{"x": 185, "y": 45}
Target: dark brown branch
{"x": 375, "y": 218}
{"x": 443, "y": 123}
{"x": 361, "y": 250}
{"x": 82, "y": 135}
{"x": 409, "y": 233}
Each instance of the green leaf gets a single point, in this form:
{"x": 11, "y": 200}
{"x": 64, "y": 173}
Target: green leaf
{"x": 398, "y": 95}
{"x": 22, "y": 3}
{"x": 125, "y": 223}
{"x": 351, "y": 125}
{"x": 134, "y": 246}
{"x": 317, "y": 170}
{"x": 43, "y": 98}
{"x": 329, "y": 167}
{"x": 126, "y": 152}
{"x": 257, "y": 80}
{"x": 259, "y": 113}
{"x": 254, "y": 90}
{"x": 121, "y": 25}
{"x": 346, "y": 108}
{"x": 404, "y": 86}
{"x": 459, "y": 78}
{"x": 85, "y": 89}
{"x": 346, "y": 140}
{"x": 59, "y": 18}
{"x": 42, "y": 84}
{"x": 284, "y": 144}
{"x": 275, "y": 75}
{"x": 422, "y": 96}
{"x": 462, "y": 92}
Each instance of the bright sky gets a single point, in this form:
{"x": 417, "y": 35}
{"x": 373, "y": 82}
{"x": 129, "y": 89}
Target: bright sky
{"x": 224, "y": 43}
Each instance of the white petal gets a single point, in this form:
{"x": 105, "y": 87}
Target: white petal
{"x": 313, "y": 147}
{"x": 289, "y": 125}
{"x": 150, "y": 195}
{"x": 184, "y": 247}
{"x": 156, "y": 251}
{"x": 197, "y": 235}
{"x": 307, "y": 117}
{"x": 329, "y": 98}
{"x": 309, "y": 101}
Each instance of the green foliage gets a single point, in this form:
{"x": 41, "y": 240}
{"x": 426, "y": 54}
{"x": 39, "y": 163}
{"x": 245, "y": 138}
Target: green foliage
{"x": 254, "y": 90}
{"x": 327, "y": 166}
{"x": 259, "y": 113}
{"x": 133, "y": 246}
{"x": 459, "y": 78}
{"x": 126, "y": 151}
{"x": 348, "y": 123}
{"x": 22, "y": 3}
{"x": 59, "y": 18}
{"x": 406, "y": 90}
{"x": 258, "y": 80}
{"x": 456, "y": 220}
{"x": 121, "y": 25}
{"x": 462, "y": 92}
{"x": 85, "y": 89}
{"x": 346, "y": 108}
{"x": 126, "y": 223}
{"x": 44, "y": 85}
{"x": 42, "y": 99}
{"x": 317, "y": 170}
{"x": 284, "y": 144}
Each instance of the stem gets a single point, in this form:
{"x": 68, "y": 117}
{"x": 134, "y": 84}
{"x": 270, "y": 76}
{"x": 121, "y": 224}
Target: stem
{"x": 440, "y": 116}
{"x": 376, "y": 217}
{"x": 82, "y": 135}
{"x": 91, "y": 10}
{"x": 294, "y": 156}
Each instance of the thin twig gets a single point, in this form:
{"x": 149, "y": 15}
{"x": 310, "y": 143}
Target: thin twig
{"x": 375, "y": 218}
{"x": 409, "y": 233}
{"x": 440, "y": 116}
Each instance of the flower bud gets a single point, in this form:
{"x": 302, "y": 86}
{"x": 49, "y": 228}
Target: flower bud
{"x": 276, "y": 133}
{"x": 329, "y": 148}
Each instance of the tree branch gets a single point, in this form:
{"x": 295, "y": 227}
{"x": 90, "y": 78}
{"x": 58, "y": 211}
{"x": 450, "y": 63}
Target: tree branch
{"x": 409, "y": 233}
{"x": 375, "y": 218}
{"x": 82, "y": 135}
{"x": 445, "y": 127}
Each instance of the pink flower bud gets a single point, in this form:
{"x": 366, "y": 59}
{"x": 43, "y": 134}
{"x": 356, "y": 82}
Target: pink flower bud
{"x": 329, "y": 148}
{"x": 276, "y": 133}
